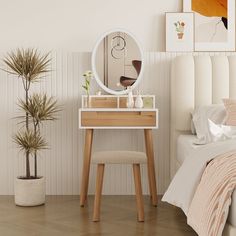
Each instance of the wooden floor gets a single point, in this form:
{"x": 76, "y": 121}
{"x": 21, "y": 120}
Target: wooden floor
{"x": 62, "y": 216}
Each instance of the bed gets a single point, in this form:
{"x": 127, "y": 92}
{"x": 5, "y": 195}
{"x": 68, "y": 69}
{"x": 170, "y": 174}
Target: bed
{"x": 196, "y": 81}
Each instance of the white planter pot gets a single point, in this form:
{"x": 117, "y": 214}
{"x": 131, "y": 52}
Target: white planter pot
{"x": 30, "y": 192}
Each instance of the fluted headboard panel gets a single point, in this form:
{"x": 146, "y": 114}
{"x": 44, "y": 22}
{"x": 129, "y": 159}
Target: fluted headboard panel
{"x": 195, "y": 81}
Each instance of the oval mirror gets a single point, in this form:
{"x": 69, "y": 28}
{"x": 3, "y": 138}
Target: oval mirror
{"x": 117, "y": 62}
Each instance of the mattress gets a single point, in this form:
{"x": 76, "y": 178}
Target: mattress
{"x": 185, "y": 146}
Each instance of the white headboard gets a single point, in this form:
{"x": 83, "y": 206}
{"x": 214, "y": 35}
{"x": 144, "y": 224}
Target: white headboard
{"x": 195, "y": 81}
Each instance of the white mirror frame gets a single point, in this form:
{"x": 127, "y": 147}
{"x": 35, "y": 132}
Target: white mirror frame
{"x": 110, "y": 91}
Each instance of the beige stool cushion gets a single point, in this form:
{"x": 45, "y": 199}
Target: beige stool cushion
{"x": 119, "y": 157}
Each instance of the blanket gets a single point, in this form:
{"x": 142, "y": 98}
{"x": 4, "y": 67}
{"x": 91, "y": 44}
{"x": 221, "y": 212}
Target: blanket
{"x": 185, "y": 184}
{"x": 209, "y": 208}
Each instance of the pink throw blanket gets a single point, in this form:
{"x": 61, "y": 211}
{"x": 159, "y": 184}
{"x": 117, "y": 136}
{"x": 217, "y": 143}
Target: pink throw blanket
{"x": 209, "y": 208}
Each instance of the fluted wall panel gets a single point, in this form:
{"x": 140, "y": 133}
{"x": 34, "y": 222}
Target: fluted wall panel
{"x": 62, "y": 163}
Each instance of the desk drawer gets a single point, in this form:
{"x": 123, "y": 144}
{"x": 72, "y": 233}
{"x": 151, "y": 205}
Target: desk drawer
{"x": 118, "y": 119}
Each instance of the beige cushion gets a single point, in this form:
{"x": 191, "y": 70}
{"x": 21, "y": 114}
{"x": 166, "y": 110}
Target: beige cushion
{"x": 119, "y": 157}
{"x": 230, "y": 106}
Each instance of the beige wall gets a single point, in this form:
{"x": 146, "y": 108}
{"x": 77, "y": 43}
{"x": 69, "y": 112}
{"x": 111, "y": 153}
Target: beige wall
{"x": 76, "y": 24}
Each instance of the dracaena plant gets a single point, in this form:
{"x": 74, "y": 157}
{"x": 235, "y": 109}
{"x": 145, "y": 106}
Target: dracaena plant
{"x": 30, "y": 66}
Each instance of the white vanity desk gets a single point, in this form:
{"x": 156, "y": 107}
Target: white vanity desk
{"x": 118, "y": 65}
{"x": 108, "y": 112}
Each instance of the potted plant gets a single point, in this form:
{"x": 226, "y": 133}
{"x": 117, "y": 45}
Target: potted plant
{"x": 30, "y": 66}
{"x": 180, "y": 29}
{"x": 88, "y": 75}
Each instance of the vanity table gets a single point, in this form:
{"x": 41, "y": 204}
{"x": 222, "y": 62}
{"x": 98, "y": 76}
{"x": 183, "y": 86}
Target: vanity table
{"x": 117, "y": 65}
{"x": 109, "y": 112}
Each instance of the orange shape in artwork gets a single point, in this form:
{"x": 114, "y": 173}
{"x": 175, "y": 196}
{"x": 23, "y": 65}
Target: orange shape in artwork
{"x": 210, "y": 7}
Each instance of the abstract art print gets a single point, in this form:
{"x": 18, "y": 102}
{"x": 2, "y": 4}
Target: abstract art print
{"x": 179, "y": 32}
{"x": 214, "y": 24}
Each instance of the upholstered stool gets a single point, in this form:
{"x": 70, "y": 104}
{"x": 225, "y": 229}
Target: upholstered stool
{"x": 118, "y": 157}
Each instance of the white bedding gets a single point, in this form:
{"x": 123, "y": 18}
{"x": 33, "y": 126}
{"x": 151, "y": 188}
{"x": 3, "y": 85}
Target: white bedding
{"x": 185, "y": 146}
{"x": 193, "y": 159}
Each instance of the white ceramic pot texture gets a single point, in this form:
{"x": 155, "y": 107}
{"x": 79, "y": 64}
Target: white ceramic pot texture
{"x": 30, "y": 192}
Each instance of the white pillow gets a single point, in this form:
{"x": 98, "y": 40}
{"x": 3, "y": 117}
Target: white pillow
{"x": 217, "y": 133}
{"x": 221, "y": 132}
{"x": 193, "y": 129}
{"x": 229, "y": 131}
{"x": 216, "y": 113}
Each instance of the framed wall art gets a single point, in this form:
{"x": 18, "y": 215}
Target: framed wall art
{"x": 179, "y": 32}
{"x": 214, "y": 24}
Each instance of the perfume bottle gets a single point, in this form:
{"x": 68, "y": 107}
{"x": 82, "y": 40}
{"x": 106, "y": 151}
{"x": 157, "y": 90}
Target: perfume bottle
{"x": 130, "y": 99}
{"x": 139, "y": 101}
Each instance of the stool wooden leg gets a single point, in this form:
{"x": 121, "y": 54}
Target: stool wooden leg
{"x": 98, "y": 192}
{"x": 138, "y": 191}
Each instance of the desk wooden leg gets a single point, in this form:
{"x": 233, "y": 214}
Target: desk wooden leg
{"x": 151, "y": 165}
{"x": 86, "y": 166}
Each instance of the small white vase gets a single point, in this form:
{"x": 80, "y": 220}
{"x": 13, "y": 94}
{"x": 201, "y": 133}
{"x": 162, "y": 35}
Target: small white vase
{"x": 30, "y": 192}
{"x": 139, "y": 102}
{"x": 130, "y": 100}
{"x": 87, "y": 101}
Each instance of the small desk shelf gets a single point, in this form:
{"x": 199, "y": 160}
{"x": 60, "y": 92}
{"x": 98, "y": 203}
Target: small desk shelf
{"x": 118, "y": 101}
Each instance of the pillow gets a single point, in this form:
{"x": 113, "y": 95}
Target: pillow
{"x": 193, "y": 129}
{"x": 229, "y": 131}
{"x": 216, "y": 113}
{"x": 217, "y": 132}
{"x": 230, "y": 106}
{"x": 221, "y": 132}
